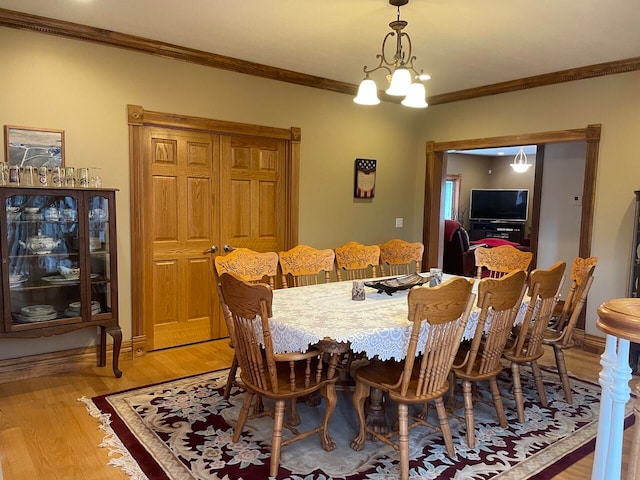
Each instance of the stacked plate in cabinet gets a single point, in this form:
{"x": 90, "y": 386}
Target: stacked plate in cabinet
{"x": 15, "y": 280}
{"x": 36, "y": 313}
{"x": 74, "y": 309}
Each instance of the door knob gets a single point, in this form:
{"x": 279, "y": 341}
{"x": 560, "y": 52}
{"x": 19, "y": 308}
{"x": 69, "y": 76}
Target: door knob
{"x": 228, "y": 248}
{"x": 213, "y": 249}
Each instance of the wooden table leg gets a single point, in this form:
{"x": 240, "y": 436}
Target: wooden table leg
{"x": 374, "y": 413}
{"x": 374, "y": 408}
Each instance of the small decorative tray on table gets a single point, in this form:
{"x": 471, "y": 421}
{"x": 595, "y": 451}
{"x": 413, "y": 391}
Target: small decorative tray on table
{"x": 391, "y": 285}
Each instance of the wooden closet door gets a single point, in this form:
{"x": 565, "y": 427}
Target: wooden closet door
{"x": 253, "y": 193}
{"x": 180, "y": 216}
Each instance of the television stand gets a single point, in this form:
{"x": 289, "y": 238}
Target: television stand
{"x": 512, "y": 231}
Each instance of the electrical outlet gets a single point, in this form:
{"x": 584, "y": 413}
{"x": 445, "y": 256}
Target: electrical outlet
{"x": 399, "y": 222}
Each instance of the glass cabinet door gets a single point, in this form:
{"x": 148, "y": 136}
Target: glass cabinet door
{"x": 43, "y": 259}
{"x": 99, "y": 254}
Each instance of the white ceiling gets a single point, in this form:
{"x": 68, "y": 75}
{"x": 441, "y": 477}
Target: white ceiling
{"x": 460, "y": 43}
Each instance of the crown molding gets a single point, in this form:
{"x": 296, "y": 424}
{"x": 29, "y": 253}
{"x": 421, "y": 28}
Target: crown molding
{"x": 35, "y": 23}
{"x": 569, "y": 75}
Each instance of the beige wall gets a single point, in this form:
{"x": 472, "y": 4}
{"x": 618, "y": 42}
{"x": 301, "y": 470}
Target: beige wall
{"x": 563, "y": 179}
{"x": 614, "y": 102}
{"x": 84, "y": 89}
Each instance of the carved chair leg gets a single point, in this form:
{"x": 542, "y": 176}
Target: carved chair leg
{"x": 497, "y": 401}
{"x": 359, "y": 396}
{"x": 276, "y": 439}
{"x": 242, "y": 417}
{"x": 517, "y": 390}
{"x": 444, "y": 426}
{"x": 231, "y": 378}
{"x": 537, "y": 376}
{"x": 468, "y": 413}
{"x": 562, "y": 371}
{"x": 403, "y": 439}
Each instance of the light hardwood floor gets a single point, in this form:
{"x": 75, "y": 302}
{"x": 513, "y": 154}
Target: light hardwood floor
{"x": 45, "y": 433}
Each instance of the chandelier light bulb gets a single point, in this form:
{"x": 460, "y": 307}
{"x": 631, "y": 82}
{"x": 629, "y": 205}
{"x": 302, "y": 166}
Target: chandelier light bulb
{"x": 416, "y": 97}
{"x": 367, "y": 93}
{"x": 400, "y": 83}
{"x": 520, "y": 164}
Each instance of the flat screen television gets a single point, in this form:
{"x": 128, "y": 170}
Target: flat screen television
{"x": 499, "y": 205}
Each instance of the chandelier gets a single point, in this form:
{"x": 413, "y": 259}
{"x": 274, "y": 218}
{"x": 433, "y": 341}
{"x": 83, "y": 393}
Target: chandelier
{"x": 520, "y": 163}
{"x": 404, "y": 80}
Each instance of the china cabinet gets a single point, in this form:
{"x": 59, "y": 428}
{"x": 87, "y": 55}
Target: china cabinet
{"x": 59, "y": 264}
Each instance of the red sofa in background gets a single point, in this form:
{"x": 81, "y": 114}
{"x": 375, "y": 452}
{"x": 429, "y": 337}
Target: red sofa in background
{"x": 458, "y": 257}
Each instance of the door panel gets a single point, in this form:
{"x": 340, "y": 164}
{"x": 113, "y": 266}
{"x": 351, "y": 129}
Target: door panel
{"x": 181, "y": 218}
{"x": 199, "y": 222}
{"x": 253, "y": 199}
{"x": 268, "y": 207}
{"x": 163, "y": 210}
{"x": 165, "y": 274}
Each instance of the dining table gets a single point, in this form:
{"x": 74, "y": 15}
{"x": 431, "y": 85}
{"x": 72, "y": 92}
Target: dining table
{"x": 377, "y": 327}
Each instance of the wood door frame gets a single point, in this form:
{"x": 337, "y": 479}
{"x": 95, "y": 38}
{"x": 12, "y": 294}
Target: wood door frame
{"x": 138, "y": 118}
{"x": 436, "y": 172}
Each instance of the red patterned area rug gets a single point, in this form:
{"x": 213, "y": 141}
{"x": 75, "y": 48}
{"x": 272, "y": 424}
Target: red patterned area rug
{"x": 182, "y": 430}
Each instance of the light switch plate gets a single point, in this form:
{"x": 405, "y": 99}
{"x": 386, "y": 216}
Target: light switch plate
{"x": 399, "y": 222}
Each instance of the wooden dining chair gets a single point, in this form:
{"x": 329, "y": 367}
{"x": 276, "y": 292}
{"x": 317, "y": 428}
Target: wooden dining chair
{"x": 560, "y": 335}
{"x": 249, "y": 265}
{"x": 355, "y": 261}
{"x": 544, "y": 288}
{"x": 499, "y": 300}
{"x": 304, "y": 265}
{"x": 501, "y": 260}
{"x": 422, "y": 376}
{"x": 280, "y": 377}
{"x": 252, "y": 267}
{"x": 397, "y": 256}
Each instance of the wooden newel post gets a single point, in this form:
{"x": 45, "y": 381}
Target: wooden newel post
{"x": 620, "y": 320}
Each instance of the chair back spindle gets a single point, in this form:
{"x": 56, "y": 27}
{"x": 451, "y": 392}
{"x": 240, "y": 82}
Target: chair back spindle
{"x": 446, "y": 311}
{"x": 544, "y": 288}
{"x": 581, "y": 278}
{"x": 499, "y": 299}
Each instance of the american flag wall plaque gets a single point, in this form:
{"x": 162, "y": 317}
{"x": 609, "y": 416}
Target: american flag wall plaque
{"x": 364, "y": 178}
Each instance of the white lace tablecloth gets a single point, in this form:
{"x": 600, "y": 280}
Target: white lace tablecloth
{"x": 302, "y": 316}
